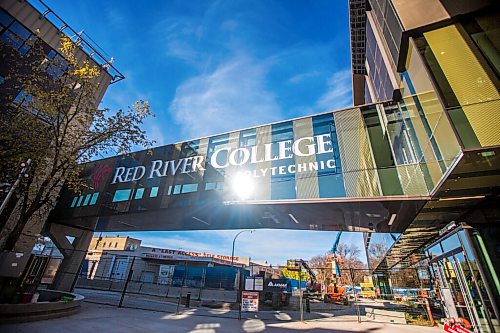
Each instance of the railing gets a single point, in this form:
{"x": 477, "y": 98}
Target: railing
{"x": 84, "y": 41}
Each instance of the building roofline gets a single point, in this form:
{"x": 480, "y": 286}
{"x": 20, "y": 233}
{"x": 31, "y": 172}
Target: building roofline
{"x": 84, "y": 41}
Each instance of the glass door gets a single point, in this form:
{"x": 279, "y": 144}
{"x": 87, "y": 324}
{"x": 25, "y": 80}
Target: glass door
{"x": 454, "y": 275}
{"x": 462, "y": 287}
{"x": 453, "y": 281}
{"x": 473, "y": 287}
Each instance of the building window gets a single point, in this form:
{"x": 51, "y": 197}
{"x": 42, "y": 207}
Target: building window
{"x": 94, "y": 198}
{"x": 57, "y": 66}
{"x": 484, "y": 31}
{"x": 248, "y": 138}
{"x": 330, "y": 180}
{"x": 213, "y": 186}
{"x": 184, "y": 188}
{"x": 29, "y": 103}
{"x": 154, "y": 192}
{"x": 177, "y": 189}
{"x": 15, "y": 34}
{"x": 399, "y": 137}
{"x": 283, "y": 186}
{"x": 5, "y": 19}
{"x": 139, "y": 193}
{"x": 122, "y": 195}
{"x": 87, "y": 199}
{"x": 188, "y": 188}
{"x": 190, "y": 148}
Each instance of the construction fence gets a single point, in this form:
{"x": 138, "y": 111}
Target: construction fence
{"x": 397, "y": 296}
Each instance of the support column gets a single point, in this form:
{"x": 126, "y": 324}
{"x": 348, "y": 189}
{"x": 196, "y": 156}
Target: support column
{"x": 74, "y": 253}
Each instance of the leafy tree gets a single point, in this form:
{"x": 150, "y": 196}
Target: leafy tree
{"x": 56, "y": 123}
{"x": 349, "y": 261}
{"x": 347, "y": 258}
{"x": 322, "y": 266}
{"x": 376, "y": 252}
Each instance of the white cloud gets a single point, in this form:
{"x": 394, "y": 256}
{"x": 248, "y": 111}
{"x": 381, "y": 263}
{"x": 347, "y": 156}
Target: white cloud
{"x": 231, "y": 97}
{"x": 154, "y": 132}
{"x": 339, "y": 92}
{"x": 298, "y": 78}
{"x": 180, "y": 37}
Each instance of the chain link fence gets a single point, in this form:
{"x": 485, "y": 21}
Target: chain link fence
{"x": 403, "y": 296}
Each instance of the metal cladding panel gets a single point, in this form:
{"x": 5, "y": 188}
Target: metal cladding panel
{"x": 306, "y": 182}
{"x": 474, "y": 89}
{"x": 361, "y": 178}
{"x": 264, "y": 135}
{"x": 234, "y": 140}
{"x": 412, "y": 179}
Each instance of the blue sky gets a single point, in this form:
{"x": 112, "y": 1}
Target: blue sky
{"x": 208, "y": 67}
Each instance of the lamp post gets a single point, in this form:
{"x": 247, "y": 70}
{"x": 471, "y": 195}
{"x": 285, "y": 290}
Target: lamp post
{"x": 22, "y": 173}
{"x": 234, "y": 240}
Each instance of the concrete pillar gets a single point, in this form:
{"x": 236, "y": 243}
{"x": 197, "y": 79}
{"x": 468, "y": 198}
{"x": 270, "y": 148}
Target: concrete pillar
{"x": 74, "y": 254}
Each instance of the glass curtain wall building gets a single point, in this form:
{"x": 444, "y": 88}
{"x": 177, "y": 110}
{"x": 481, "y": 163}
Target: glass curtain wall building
{"x": 439, "y": 60}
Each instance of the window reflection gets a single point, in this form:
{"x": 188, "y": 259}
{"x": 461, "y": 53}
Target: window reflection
{"x": 450, "y": 243}
{"x": 399, "y": 138}
{"x": 15, "y": 34}
{"x": 282, "y": 185}
{"x": 330, "y": 180}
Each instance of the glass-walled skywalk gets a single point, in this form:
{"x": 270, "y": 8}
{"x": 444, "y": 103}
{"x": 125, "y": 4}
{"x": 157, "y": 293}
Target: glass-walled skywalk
{"x": 368, "y": 168}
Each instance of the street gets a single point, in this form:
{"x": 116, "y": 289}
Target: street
{"x": 110, "y": 319}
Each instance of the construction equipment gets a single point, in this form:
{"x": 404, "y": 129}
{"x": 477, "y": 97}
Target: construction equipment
{"x": 334, "y": 257}
{"x": 334, "y": 291}
{"x": 277, "y": 292}
{"x": 313, "y": 288}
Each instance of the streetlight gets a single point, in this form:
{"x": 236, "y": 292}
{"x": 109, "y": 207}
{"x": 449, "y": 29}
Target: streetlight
{"x": 234, "y": 240}
{"x": 22, "y": 173}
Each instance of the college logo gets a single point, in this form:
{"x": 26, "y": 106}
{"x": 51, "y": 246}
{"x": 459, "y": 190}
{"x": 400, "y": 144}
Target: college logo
{"x": 100, "y": 175}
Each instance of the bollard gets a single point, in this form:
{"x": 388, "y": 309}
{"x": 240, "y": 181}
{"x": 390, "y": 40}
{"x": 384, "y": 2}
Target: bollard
{"x": 188, "y": 299}
{"x": 308, "y": 306}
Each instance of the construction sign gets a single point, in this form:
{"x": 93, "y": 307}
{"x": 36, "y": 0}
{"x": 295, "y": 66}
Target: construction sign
{"x": 249, "y": 301}
{"x": 367, "y": 289}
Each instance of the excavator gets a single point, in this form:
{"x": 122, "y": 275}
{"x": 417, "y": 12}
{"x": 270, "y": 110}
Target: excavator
{"x": 335, "y": 293}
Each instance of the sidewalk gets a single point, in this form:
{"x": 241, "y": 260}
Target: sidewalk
{"x": 109, "y": 319}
